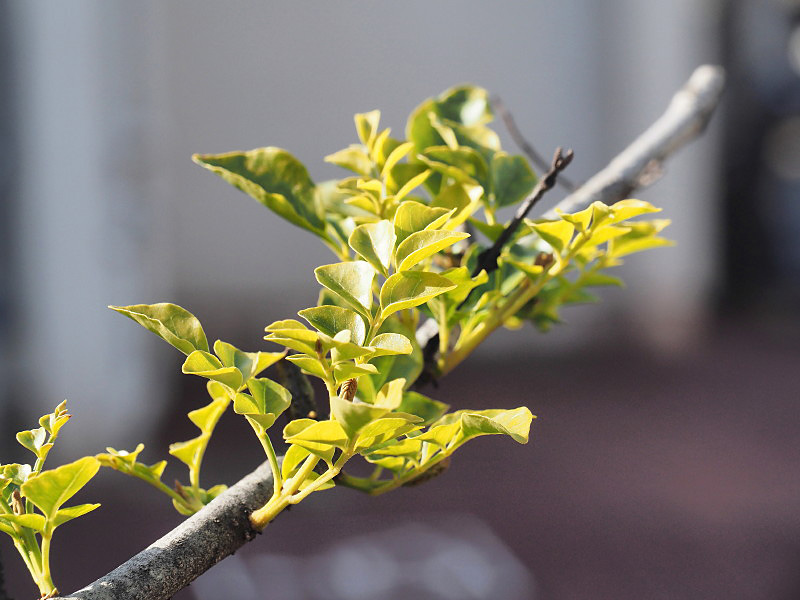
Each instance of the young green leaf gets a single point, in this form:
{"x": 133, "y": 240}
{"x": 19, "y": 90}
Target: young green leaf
{"x": 346, "y": 370}
{"x": 249, "y": 364}
{"x": 352, "y": 158}
{"x": 49, "y": 490}
{"x": 331, "y": 320}
{"x": 423, "y": 244}
{"x": 354, "y": 415}
{"x": 386, "y": 344}
{"x": 412, "y": 216}
{"x": 319, "y": 435}
{"x": 556, "y": 233}
{"x": 273, "y": 177}
{"x": 268, "y": 401}
{"x": 512, "y": 179}
{"x": 170, "y": 322}
{"x": 367, "y": 126}
{"x": 375, "y": 243}
{"x": 515, "y": 423}
{"x": 209, "y": 366}
{"x": 411, "y": 288}
{"x": 352, "y": 281}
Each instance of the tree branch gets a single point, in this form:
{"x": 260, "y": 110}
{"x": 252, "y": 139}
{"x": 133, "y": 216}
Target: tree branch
{"x": 640, "y": 163}
{"x": 174, "y": 561}
{"x": 487, "y": 260}
{"x": 223, "y": 526}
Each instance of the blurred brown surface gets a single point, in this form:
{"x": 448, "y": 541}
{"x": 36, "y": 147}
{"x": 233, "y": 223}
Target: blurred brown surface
{"x": 646, "y": 477}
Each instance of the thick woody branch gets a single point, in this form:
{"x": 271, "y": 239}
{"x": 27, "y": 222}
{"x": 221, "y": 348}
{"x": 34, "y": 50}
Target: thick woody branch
{"x": 189, "y": 550}
{"x": 223, "y": 526}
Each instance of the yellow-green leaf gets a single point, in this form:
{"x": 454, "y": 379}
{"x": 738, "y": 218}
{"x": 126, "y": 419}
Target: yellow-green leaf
{"x": 209, "y": 366}
{"x": 331, "y": 320}
{"x": 353, "y": 415}
{"x": 412, "y": 216}
{"x": 170, "y": 322}
{"x": 274, "y": 178}
{"x": 49, "y": 490}
{"x": 411, "y": 288}
{"x": 422, "y": 244}
{"x": 386, "y": 344}
{"x": 353, "y": 158}
{"x": 375, "y": 243}
{"x": 352, "y": 281}
{"x": 556, "y": 233}
{"x": 320, "y": 435}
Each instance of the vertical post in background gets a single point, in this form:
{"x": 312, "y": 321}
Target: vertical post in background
{"x": 84, "y": 229}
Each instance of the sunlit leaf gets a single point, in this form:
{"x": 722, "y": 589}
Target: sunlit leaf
{"x": 209, "y": 366}
{"x": 375, "y": 243}
{"x": 627, "y": 209}
{"x": 515, "y": 423}
{"x": 320, "y": 435}
{"x": 414, "y": 216}
{"x": 331, "y": 320}
{"x": 49, "y": 490}
{"x": 170, "y": 322}
{"x": 556, "y": 233}
{"x": 390, "y": 343}
{"x": 411, "y": 288}
{"x": 309, "y": 365}
{"x": 273, "y": 177}
{"x": 346, "y": 370}
{"x": 354, "y": 415}
{"x": 381, "y": 430}
{"x": 367, "y": 126}
{"x": 353, "y": 158}
{"x": 423, "y": 244}
{"x": 352, "y": 281}
{"x": 72, "y": 512}
{"x": 425, "y": 408}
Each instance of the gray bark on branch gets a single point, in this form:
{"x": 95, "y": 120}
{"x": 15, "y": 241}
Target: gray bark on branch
{"x": 222, "y": 527}
{"x": 640, "y": 163}
{"x": 171, "y": 563}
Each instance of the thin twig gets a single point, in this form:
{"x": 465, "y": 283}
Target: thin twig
{"x": 487, "y": 260}
{"x": 537, "y": 159}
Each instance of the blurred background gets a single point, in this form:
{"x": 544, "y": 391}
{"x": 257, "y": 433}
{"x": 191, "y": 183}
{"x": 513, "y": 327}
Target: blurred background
{"x": 664, "y": 462}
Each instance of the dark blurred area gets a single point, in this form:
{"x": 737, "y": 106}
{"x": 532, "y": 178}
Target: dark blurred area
{"x": 664, "y": 462}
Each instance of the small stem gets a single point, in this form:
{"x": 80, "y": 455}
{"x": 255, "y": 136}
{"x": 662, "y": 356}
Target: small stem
{"x": 444, "y": 333}
{"x": 260, "y": 518}
{"x": 46, "y": 585}
{"x": 322, "y": 479}
{"x": 266, "y": 443}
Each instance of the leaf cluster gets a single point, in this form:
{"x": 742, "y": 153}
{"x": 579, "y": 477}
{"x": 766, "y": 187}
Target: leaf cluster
{"x": 32, "y": 499}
